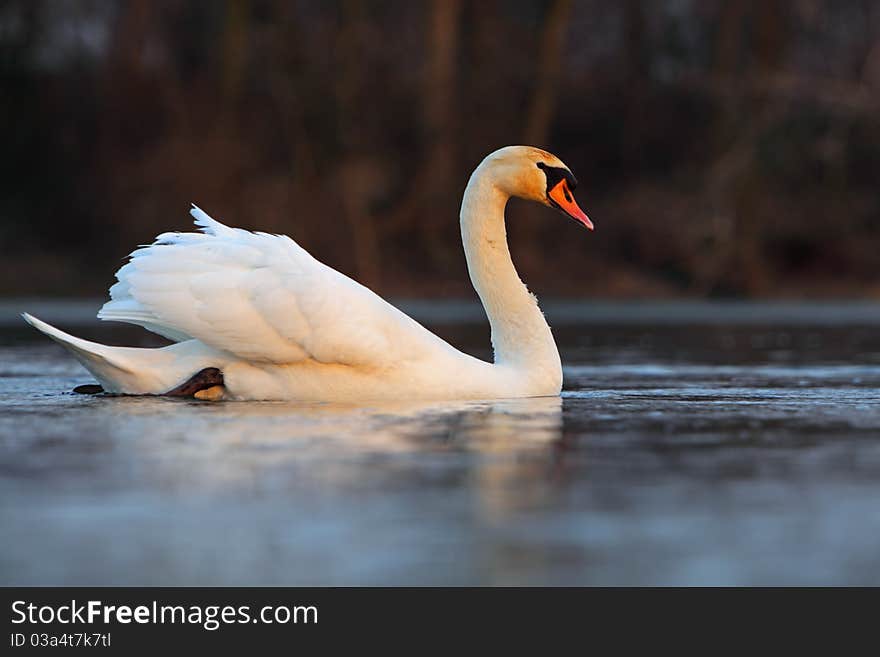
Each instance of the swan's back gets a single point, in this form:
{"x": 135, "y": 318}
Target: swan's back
{"x": 260, "y": 297}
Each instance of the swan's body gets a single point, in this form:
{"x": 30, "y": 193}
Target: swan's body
{"x": 280, "y": 325}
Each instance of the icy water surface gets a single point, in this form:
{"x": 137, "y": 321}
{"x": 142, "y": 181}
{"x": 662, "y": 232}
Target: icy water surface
{"x": 696, "y": 444}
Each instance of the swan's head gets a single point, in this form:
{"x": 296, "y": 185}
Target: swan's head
{"x": 536, "y": 175}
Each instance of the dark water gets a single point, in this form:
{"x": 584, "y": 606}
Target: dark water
{"x": 694, "y": 444}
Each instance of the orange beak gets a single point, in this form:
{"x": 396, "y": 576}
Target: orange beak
{"x": 562, "y": 198}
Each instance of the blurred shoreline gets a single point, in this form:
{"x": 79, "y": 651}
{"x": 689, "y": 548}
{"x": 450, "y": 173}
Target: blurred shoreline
{"x": 725, "y": 149}
{"x": 560, "y": 312}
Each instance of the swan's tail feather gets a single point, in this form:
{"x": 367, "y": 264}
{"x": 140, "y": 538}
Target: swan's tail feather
{"x": 98, "y": 359}
{"x": 131, "y": 370}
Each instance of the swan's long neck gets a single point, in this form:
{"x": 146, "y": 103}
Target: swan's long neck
{"x": 520, "y": 334}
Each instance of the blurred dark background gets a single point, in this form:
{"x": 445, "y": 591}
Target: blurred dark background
{"x": 724, "y": 148}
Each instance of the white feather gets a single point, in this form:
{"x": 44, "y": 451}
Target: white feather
{"x": 257, "y": 296}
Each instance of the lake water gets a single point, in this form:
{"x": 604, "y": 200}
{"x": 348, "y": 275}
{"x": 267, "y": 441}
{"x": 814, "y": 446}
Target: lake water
{"x": 694, "y": 444}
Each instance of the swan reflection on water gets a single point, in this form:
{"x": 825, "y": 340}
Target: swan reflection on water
{"x": 275, "y": 489}
{"x": 385, "y": 426}
{"x": 502, "y": 453}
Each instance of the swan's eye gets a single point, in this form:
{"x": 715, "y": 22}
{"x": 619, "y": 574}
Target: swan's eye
{"x": 555, "y": 175}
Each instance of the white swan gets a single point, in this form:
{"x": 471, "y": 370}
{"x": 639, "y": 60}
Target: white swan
{"x": 254, "y": 316}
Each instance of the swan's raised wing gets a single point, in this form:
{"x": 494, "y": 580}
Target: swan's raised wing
{"x": 261, "y": 297}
